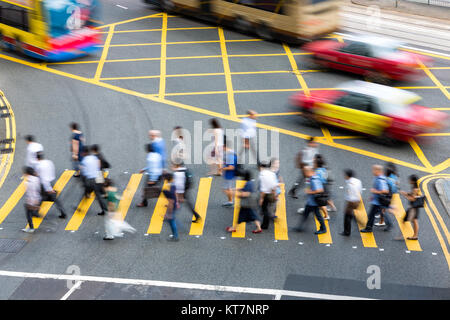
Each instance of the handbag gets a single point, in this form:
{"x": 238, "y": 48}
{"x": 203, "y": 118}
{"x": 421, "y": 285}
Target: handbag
{"x": 419, "y": 202}
{"x": 152, "y": 191}
{"x": 321, "y": 199}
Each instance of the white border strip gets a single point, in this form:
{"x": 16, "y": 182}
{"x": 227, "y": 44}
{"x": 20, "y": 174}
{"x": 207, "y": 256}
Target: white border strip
{"x": 182, "y": 285}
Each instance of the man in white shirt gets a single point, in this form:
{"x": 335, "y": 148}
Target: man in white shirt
{"x": 32, "y": 149}
{"x": 92, "y": 174}
{"x": 248, "y": 134}
{"x": 32, "y": 197}
{"x": 268, "y": 184}
{"x": 353, "y": 188}
{"x": 46, "y": 172}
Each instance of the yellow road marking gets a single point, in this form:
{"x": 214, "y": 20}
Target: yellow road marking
{"x": 156, "y": 15}
{"x": 227, "y": 71}
{"x": 419, "y": 153}
{"x": 441, "y": 134}
{"x": 81, "y": 211}
{"x": 434, "y": 79}
{"x": 427, "y": 54}
{"x": 179, "y": 42}
{"x": 240, "y": 228}
{"x": 201, "y": 206}
{"x": 271, "y": 114}
{"x": 368, "y": 239}
{"x": 162, "y": 69}
{"x": 10, "y": 127}
{"x": 128, "y": 194}
{"x": 440, "y": 108}
{"x": 101, "y": 63}
{"x": 345, "y": 137}
{"x": 294, "y": 66}
{"x": 168, "y": 29}
{"x": 324, "y": 237}
{"x": 46, "y": 205}
{"x": 157, "y": 219}
{"x": 326, "y": 134}
{"x": 405, "y": 227}
{"x": 280, "y": 223}
{"x": 12, "y": 201}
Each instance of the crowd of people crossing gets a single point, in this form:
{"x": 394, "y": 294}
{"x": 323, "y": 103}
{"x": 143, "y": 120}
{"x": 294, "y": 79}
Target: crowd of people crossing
{"x": 262, "y": 185}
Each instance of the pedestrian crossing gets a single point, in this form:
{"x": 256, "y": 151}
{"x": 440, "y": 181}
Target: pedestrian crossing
{"x": 156, "y": 223}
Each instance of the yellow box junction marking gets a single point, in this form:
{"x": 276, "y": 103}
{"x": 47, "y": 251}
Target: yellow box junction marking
{"x": 434, "y": 79}
{"x": 420, "y": 153}
{"x": 201, "y": 206}
{"x": 240, "y": 228}
{"x": 81, "y": 211}
{"x": 128, "y": 194}
{"x": 368, "y": 238}
{"x": 46, "y": 205}
{"x": 12, "y": 201}
{"x": 10, "y": 126}
{"x": 294, "y": 67}
{"x": 280, "y": 223}
{"x": 101, "y": 63}
{"x": 157, "y": 220}
{"x": 162, "y": 69}
{"x": 405, "y": 227}
{"x": 227, "y": 71}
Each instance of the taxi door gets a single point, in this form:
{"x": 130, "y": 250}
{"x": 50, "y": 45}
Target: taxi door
{"x": 356, "y": 113}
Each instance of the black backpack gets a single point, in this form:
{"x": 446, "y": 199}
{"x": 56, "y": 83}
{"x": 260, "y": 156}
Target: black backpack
{"x": 385, "y": 199}
{"x": 188, "y": 181}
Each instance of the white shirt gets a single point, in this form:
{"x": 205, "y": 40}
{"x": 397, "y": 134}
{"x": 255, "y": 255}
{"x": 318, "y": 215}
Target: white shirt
{"x": 32, "y": 149}
{"x": 46, "y": 171}
{"x": 248, "y": 127}
{"x": 218, "y": 135}
{"x": 267, "y": 181}
{"x": 308, "y": 155}
{"x": 179, "y": 179}
{"x": 353, "y": 189}
{"x": 33, "y": 191}
{"x": 90, "y": 167}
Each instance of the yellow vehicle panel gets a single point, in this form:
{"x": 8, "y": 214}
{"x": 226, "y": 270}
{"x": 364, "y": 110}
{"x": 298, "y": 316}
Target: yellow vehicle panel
{"x": 356, "y": 120}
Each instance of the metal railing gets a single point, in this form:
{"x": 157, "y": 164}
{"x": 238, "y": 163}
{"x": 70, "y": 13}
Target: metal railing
{"x": 441, "y": 3}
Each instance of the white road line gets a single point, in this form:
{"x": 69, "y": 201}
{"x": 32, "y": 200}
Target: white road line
{"x": 181, "y": 285}
{"x": 74, "y": 287}
{"x": 118, "y": 5}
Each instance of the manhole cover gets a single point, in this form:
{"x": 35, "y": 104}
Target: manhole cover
{"x": 11, "y": 245}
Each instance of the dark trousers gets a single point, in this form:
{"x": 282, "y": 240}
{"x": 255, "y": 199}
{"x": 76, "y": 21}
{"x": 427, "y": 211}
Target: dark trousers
{"x": 298, "y": 184}
{"x": 188, "y": 201}
{"x": 315, "y": 209}
{"x": 29, "y": 213}
{"x": 92, "y": 186}
{"x": 348, "y": 216}
{"x": 52, "y": 197}
{"x": 266, "y": 209}
{"x": 374, "y": 210}
{"x": 252, "y": 147}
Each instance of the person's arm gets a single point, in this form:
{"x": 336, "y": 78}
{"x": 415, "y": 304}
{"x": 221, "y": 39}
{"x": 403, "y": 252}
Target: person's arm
{"x": 75, "y": 149}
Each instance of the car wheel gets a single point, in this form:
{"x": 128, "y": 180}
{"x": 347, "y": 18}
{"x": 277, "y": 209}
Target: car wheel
{"x": 385, "y": 139}
{"x": 307, "y": 118}
{"x": 243, "y": 25}
{"x": 377, "y": 77}
{"x": 264, "y": 32}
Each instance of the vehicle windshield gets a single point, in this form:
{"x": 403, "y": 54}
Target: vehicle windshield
{"x": 65, "y": 16}
{"x": 393, "y": 109}
{"x": 384, "y": 51}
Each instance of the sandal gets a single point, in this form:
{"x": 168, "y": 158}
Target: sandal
{"x": 257, "y": 231}
{"x": 230, "y": 229}
{"x": 412, "y": 238}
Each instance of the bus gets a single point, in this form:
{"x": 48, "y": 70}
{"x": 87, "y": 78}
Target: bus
{"x": 287, "y": 20}
{"x": 50, "y": 30}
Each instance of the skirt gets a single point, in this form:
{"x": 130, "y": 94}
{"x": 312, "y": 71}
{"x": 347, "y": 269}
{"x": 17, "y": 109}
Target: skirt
{"x": 247, "y": 215}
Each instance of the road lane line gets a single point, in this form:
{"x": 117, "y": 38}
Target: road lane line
{"x": 128, "y": 194}
{"x": 326, "y": 134}
{"x": 47, "y": 205}
{"x": 280, "y": 223}
{"x": 72, "y": 290}
{"x": 271, "y": 114}
{"x": 81, "y": 211}
{"x": 201, "y": 206}
{"x": 180, "y": 285}
{"x": 433, "y": 78}
{"x": 240, "y": 228}
{"x": 420, "y": 153}
{"x": 442, "y": 134}
{"x": 227, "y": 71}
{"x": 294, "y": 67}
{"x": 368, "y": 238}
{"x": 157, "y": 219}
{"x": 405, "y": 227}
{"x": 101, "y": 63}
{"x": 162, "y": 68}
{"x": 12, "y": 201}
{"x": 156, "y": 15}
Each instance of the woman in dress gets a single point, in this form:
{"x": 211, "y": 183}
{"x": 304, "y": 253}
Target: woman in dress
{"x": 412, "y": 213}
{"x": 217, "y": 152}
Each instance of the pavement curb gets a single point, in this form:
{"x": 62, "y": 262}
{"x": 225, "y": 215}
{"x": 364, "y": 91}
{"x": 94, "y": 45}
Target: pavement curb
{"x": 443, "y": 189}
{"x": 432, "y": 11}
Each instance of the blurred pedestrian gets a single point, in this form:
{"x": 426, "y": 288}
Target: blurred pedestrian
{"x": 33, "y": 148}
{"x": 323, "y": 173}
{"x": 183, "y": 180}
{"x": 217, "y": 155}
{"x": 229, "y": 168}
{"x": 154, "y": 171}
{"x": 76, "y": 146}
{"x": 248, "y": 135}
{"x": 90, "y": 169}
{"x": 353, "y": 189}
{"x": 275, "y": 168}
{"x": 248, "y": 204}
{"x": 159, "y": 146}
{"x": 178, "y": 154}
{"x": 32, "y": 197}
{"x": 304, "y": 158}
{"x": 392, "y": 179}
{"x": 268, "y": 184}
{"x": 416, "y": 201}
{"x": 315, "y": 189}
{"x": 46, "y": 172}
{"x": 104, "y": 164}
{"x": 172, "y": 207}
{"x": 115, "y": 226}
{"x": 380, "y": 191}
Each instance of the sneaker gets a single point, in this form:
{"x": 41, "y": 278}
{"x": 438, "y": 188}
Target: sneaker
{"x": 331, "y": 209}
{"x": 320, "y": 231}
{"x": 172, "y": 238}
{"x": 301, "y": 210}
{"x": 227, "y": 204}
{"x": 28, "y": 230}
{"x": 344, "y": 234}
{"x": 327, "y": 218}
{"x": 101, "y": 213}
{"x": 62, "y": 216}
{"x": 108, "y": 238}
{"x": 365, "y": 230}
{"x": 377, "y": 216}
{"x": 380, "y": 224}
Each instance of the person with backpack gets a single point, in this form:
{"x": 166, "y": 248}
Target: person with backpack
{"x": 268, "y": 184}
{"x": 228, "y": 170}
{"x": 104, "y": 164}
{"x": 393, "y": 182}
{"x": 353, "y": 188}
{"x": 380, "y": 198}
{"x": 172, "y": 207}
{"x": 416, "y": 201}
{"x": 183, "y": 181}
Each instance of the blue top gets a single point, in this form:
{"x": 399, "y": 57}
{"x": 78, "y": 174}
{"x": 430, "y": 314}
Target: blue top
{"x": 392, "y": 180}
{"x": 153, "y": 168}
{"x": 230, "y": 160}
{"x": 380, "y": 184}
{"x": 78, "y": 137}
{"x": 90, "y": 167}
{"x": 322, "y": 174}
{"x": 171, "y": 195}
{"x": 315, "y": 184}
{"x": 159, "y": 146}
{"x": 249, "y": 187}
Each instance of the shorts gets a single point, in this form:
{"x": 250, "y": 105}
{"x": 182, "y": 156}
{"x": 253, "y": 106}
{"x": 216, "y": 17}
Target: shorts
{"x": 228, "y": 184}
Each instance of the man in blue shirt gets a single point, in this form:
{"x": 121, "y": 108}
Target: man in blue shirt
{"x": 159, "y": 146}
{"x": 228, "y": 169}
{"x": 316, "y": 187}
{"x": 380, "y": 186}
{"x": 154, "y": 171}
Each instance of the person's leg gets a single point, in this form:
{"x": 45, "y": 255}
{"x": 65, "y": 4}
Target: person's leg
{"x": 173, "y": 226}
{"x": 323, "y": 227}
{"x": 325, "y": 212}
{"x": 331, "y": 204}
{"x": 258, "y": 225}
{"x": 98, "y": 195}
{"x": 306, "y": 213}
{"x": 387, "y": 219}
{"x": 29, "y": 216}
{"x": 348, "y": 214}
{"x": 188, "y": 201}
{"x": 416, "y": 228}
{"x": 265, "y": 213}
{"x": 374, "y": 209}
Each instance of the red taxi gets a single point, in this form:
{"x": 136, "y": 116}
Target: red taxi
{"x": 377, "y": 59}
{"x": 371, "y": 109}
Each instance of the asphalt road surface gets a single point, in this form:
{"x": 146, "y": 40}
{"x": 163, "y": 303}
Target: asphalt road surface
{"x": 156, "y": 71}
